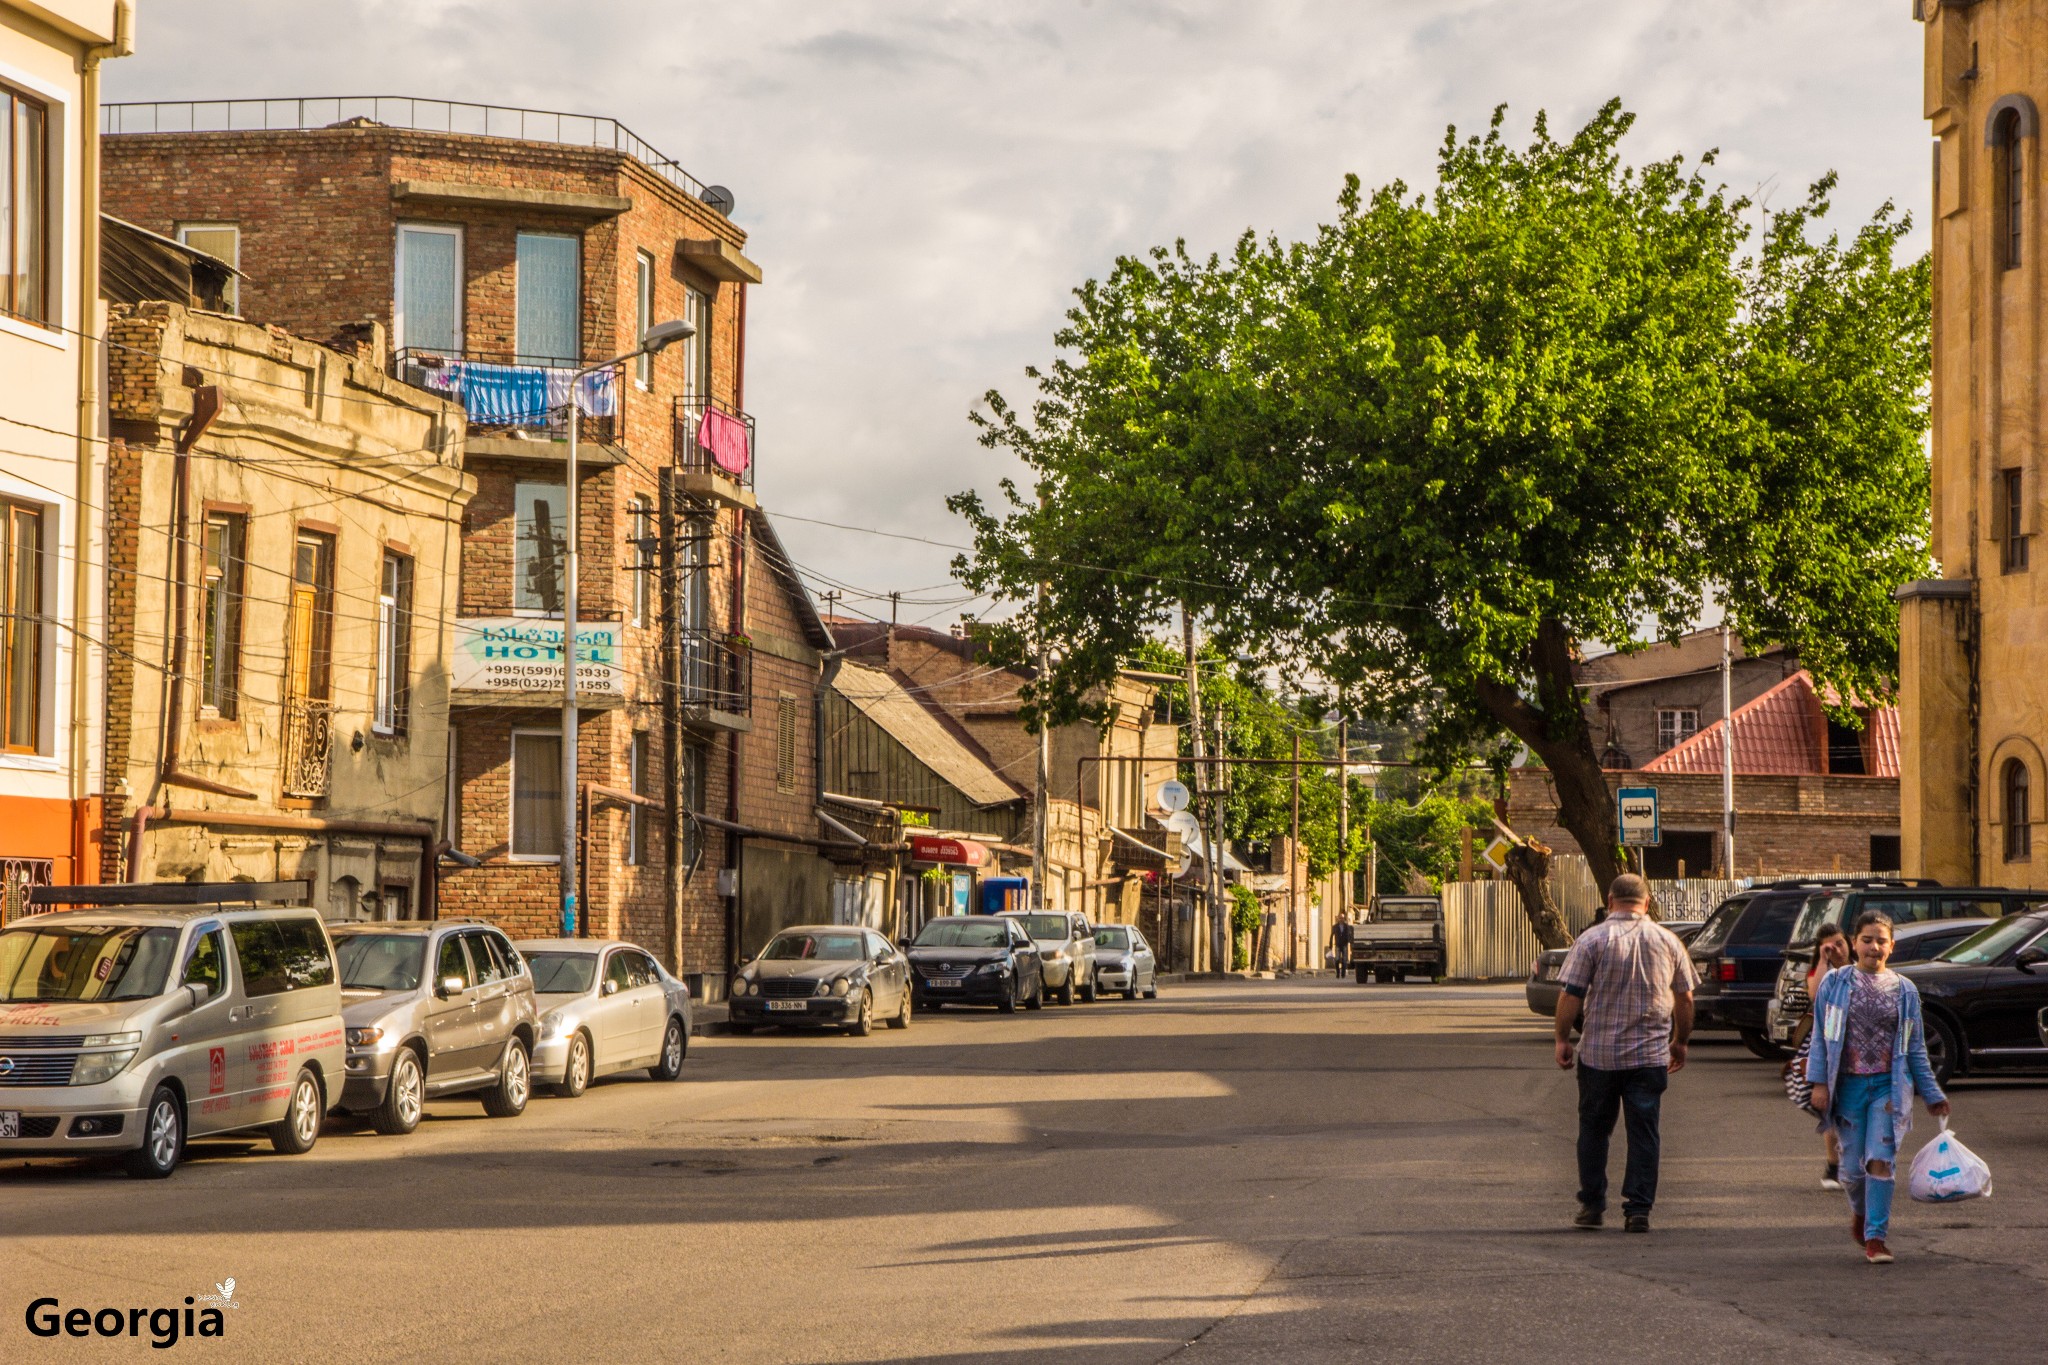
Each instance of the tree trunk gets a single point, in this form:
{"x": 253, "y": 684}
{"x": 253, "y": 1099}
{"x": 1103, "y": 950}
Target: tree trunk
{"x": 1529, "y": 869}
{"x": 1554, "y": 728}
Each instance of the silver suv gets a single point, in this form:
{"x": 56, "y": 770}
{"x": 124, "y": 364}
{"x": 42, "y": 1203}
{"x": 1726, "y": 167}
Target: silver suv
{"x": 433, "y": 1008}
{"x": 1066, "y": 949}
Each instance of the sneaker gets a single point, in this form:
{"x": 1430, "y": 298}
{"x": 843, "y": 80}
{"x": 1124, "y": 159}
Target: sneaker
{"x": 1831, "y": 1177}
{"x": 1588, "y": 1218}
{"x": 1876, "y": 1252}
{"x": 1856, "y": 1228}
{"x": 1638, "y": 1222}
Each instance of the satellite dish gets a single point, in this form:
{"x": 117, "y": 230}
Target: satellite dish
{"x": 1185, "y": 822}
{"x": 1173, "y": 796}
{"x": 719, "y": 197}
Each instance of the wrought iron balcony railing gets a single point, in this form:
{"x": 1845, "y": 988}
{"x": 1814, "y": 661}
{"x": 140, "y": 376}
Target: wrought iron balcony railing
{"x": 716, "y": 438}
{"x": 17, "y": 875}
{"x": 517, "y": 393}
{"x": 308, "y": 743}
{"x": 715, "y": 672}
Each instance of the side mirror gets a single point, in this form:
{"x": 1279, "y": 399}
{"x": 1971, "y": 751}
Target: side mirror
{"x": 200, "y": 993}
{"x": 449, "y": 985}
{"x": 610, "y": 987}
{"x": 2030, "y": 958}
{"x": 904, "y": 944}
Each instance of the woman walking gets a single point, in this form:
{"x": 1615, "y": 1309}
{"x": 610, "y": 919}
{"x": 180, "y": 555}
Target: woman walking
{"x": 1830, "y": 950}
{"x": 1867, "y": 1064}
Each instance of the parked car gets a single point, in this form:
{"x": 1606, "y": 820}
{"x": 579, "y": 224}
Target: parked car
{"x": 1125, "y": 962}
{"x": 1066, "y": 950}
{"x": 605, "y": 1007}
{"x": 1402, "y": 935}
{"x": 1542, "y": 988}
{"x": 1912, "y": 942}
{"x": 976, "y": 960}
{"x": 1740, "y": 948}
{"x": 134, "y": 1029}
{"x": 1983, "y": 999}
{"x": 823, "y": 976}
{"x": 434, "y": 1008}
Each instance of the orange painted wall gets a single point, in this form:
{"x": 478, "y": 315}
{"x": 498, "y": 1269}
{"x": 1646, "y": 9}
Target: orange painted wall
{"x": 66, "y": 831}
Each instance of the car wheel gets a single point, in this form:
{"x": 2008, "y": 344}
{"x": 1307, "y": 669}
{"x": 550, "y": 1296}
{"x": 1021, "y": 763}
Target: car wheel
{"x": 507, "y": 1099}
{"x": 1008, "y": 1004}
{"x": 404, "y": 1097}
{"x": 299, "y": 1129}
{"x": 1760, "y": 1045}
{"x": 576, "y": 1071}
{"x": 863, "y": 1023}
{"x": 1088, "y": 990}
{"x": 1131, "y": 991}
{"x": 163, "y": 1137}
{"x": 1944, "y": 1049}
{"x": 675, "y": 1045}
{"x": 1067, "y": 990}
{"x": 902, "y": 1019}
{"x": 1152, "y": 991}
{"x": 1358, "y": 975}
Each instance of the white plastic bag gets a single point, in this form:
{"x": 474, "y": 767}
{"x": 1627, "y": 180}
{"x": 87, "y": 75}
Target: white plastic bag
{"x": 1946, "y": 1171}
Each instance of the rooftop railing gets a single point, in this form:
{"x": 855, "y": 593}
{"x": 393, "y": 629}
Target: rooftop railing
{"x": 394, "y": 111}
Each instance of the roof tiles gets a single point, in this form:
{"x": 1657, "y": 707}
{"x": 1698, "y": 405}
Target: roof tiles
{"x": 1783, "y": 732}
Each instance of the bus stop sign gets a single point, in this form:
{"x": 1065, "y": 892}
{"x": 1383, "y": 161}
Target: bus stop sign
{"x": 1639, "y": 828}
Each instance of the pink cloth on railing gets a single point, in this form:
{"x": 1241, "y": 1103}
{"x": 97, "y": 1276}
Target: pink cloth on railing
{"x": 725, "y": 437}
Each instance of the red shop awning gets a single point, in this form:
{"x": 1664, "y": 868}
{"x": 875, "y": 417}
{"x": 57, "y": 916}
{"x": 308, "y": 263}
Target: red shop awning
{"x": 931, "y": 848}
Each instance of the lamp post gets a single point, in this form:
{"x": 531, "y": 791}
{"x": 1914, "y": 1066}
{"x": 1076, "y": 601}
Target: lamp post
{"x": 657, "y": 338}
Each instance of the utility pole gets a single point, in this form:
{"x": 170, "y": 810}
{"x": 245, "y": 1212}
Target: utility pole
{"x": 1187, "y": 630}
{"x": 1294, "y": 852}
{"x": 671, "y": 732}
{"x": 1727, "y": 751}
{"x": 1343, "y": 907}
{"x": 1041, "y": 787}
{"x": 1223, "y": 935}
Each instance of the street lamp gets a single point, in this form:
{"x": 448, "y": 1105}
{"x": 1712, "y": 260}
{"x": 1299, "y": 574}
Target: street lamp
{"x": 656, "y": 339}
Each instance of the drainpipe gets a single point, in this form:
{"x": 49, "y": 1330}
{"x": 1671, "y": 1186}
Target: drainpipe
{"x": 86, "y": 458}
{"x": 138, "y": 820}
{"x": 205, "y": 407}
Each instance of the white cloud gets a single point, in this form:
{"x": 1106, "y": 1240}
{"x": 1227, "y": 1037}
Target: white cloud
{"x": 925, "y": 180}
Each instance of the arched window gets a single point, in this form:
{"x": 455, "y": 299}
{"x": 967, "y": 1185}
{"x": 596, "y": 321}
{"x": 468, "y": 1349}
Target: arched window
{"x": 2011, "y": 179}
{"x": 2018, "y": 812}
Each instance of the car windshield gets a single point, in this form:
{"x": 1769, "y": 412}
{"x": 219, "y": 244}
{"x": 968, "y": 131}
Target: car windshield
{"x": 562, "y": 973}
{"x": 1112, "y": 938}
{"x": 958, "y": 931}
{"x": 1993, "y": 942}
{"x": 381, "y": 962}
{"x": 798, "y": 947}
{"x": 85, "y": 962}
{"x": 1714, "y": 932}
{"x": 1824, "y": 908}
{"x": 1044, "y": 926}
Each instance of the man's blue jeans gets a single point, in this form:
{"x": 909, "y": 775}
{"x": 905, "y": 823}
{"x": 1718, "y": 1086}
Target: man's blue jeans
{"x": 1603, "y": 1096}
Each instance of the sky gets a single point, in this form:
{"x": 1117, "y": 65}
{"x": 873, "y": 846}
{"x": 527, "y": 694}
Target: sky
{"x": 925, "y": 182}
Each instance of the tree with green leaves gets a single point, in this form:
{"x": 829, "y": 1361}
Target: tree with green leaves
{"x": 1431, "y": 453}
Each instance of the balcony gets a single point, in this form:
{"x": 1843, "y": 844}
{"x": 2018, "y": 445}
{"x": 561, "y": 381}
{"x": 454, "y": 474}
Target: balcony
{"x": 525, "y": 396}
{"x": 17, "y": 875}
{"x": 716, "y": 680}
{"x": 308, "y": 742}
{"x": 714, "y": 451}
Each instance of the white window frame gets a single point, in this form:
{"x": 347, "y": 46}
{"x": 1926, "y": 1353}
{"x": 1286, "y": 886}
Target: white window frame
{"x": 234, "y": 288}
{"x": 58, "y": 108}
{"x": 391, "y": 616}
{"x": 399, "y": 340}
{"x": 512, "y": 795}
{"x": 640, "y": 528}
{"x": 643, "y": 308}
{"x": 575, "y": 240}
{"x": 1677, "y": 729}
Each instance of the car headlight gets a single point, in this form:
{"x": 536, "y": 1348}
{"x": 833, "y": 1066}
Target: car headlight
{"x": 992, "y": 968}
{"x": 842, "y": 985}
{"x": 364, "y": 1037}
{"x": 743, "y": 986}
{"x": 94, "y": 1067}
{"x": 110, "y": 1039}
{"x": 551, "y": 1026}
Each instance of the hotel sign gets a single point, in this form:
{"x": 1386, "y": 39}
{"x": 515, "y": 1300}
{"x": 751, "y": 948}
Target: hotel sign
{"x": 524, "y": 654}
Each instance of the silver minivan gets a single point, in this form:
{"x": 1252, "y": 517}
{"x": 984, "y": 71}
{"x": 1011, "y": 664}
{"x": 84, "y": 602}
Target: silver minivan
{"x": 134, "y": 1028}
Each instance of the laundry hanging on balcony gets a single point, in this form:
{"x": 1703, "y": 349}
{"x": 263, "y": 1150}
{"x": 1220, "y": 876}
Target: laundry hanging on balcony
{"x": 520, "y": 395}
{"x": 724, "y": 437}
{"x": 595, "y": 394}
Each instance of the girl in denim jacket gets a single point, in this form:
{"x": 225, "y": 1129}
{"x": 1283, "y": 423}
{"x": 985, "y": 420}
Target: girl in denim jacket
{"x": 1870, "y": 1058}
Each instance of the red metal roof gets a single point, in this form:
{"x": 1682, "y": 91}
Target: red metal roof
{"x": 1783, "y": 732}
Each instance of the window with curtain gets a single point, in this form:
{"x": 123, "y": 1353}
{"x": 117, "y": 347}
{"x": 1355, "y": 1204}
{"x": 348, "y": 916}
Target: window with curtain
{"x": 550, "y": 300}
{"x": 536, "y": 794}
{"x": 220, "y": 603}
{"x": 643, "y": 313}
{"x": 428, "y": 312}
{"x": 394, "y": 644}
{"x": 21, "y": 627}
{"x": 223, "y": 240}
{"x": 25, "y": 207}
{"x": 538, "y": 523}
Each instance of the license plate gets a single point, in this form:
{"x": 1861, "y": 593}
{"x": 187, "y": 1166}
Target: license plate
{"x": 789, "y": 1004}
{"x": 10, "y": 1123}
{"x": 940, "y": 984}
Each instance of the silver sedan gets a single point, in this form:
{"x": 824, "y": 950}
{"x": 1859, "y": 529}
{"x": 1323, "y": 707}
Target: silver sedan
{"x": 604, "y": 1007}
{"x": 1124, "y": 961}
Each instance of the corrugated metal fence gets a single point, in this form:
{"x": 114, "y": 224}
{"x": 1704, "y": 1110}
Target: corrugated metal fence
{"x": 1487, "y": 932}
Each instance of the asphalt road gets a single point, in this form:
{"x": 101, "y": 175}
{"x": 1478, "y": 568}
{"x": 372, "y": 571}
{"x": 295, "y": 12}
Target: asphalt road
{"x": 1294, "y": 1171}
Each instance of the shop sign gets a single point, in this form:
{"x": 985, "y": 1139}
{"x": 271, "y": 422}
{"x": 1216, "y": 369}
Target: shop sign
{"x": 929, "y": 848}
{"x": 524, "y": 654}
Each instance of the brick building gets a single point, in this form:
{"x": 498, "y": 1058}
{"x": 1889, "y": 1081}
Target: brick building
{"x": 1639, "y": 705}
{"x": 497, "y": 262}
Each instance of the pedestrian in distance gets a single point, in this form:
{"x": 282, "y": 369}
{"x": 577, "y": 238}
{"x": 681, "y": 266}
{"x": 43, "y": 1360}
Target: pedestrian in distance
{"x": 1830, "y": 950}
{"x": 1341, "y": 933}
{"x": 1628, "y": 984}
{"x": 1866, "y": 1066}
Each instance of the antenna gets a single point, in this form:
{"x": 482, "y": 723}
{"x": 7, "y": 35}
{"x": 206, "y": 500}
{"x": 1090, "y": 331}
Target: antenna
{"x": 719, "y": 198}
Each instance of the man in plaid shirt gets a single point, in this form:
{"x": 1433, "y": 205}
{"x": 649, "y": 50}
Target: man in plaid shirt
{"x": 1630, "y": 980}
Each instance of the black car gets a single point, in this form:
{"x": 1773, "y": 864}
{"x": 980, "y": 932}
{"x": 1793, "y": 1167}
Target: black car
{"x": 1983, "y": 999}
{"x": 975, "y": 960}
{"x": 1740, "y": 950}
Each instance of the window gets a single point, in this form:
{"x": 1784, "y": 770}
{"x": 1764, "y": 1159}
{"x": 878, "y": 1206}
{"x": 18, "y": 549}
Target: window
{"x": 696, "y": 764}
{"x": 785, "y": 743}
{"x": 1675, "y": 727}
{"x": 490, "y": 967}
{"x": 24, "y": 207}
{"x": 1884, "y": 853}
{"x": 640, "y": 520}
{"x": 550, "y": 300}
{"x": 536, "y": 794}
{"x": 453, "y": 962}
{"x": 427, "y": 315}
{"x": 618, "y": 972}
{"x": 2012, "y": 518}
{"x": 394, "y": 644}
{"x": 220, "y": 604}
{"x": 643, "y": 314}
{"x": 279, "y": 955}
{"x": 225, "y": 241}
{"x": 394, "y": 902}
{"x": 21, "y": 627}
{"x": 311, "y": 641}
{"x": 636, "y": 816}
{"x": 2010, "y": 172}
{"x": 541, "y": 514}
{"x": 2019, "y": 834}
{"x": 697, "y": 348}
{"x": 203, "y": 965}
